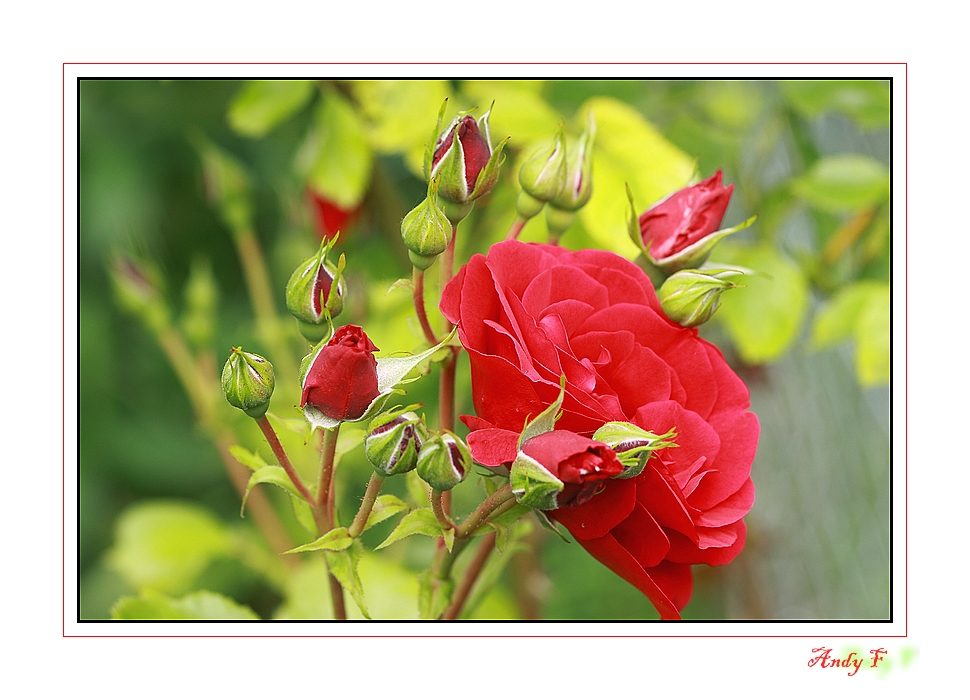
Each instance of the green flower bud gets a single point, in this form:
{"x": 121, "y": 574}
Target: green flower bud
{"x": 690, "y": 297}
{"x": 314, "y": 294}
{"x": 543, "y": 176}
{"x": 633, "y": 445}
{"x": 394, "y": 440}
{"x": 248, "y": 382}
{"x": 579, "y": 171}
{"x": 443, "y": 461}
{"x": 426, "y": 230}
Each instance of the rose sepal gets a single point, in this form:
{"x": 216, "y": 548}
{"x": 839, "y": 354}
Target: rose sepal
{"x": 533, "y": 485}
{"x": 695, "y": 254}
{"x": 391, "y": 371}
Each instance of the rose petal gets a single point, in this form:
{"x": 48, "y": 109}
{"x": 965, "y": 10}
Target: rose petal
{"x": 601, "y": 513}
{"x": 695, "y": 438}
{"x": 739, "y": 443}
{"x": 613, "y": 555}
{"x": 683, "y": 551}
{"x": 642, "y": 537}
{"x": 493, "y": 446}
{"x": 731, "y": 509}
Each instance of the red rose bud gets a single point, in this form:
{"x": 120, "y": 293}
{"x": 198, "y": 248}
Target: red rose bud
{"x": 248, "y": 382}
{"x": 462, "y": 158}
{"x": 690, "y": 297}
{"x": 443, "y": 461}
{"x": 314, "y": 294}
{"x": 561, "y": 469}
{"x": 426, "y": 230}
{"x": 543, "y": 176}
{"x": 394, "y": 441}
{"x": 680, "y": 230}
{"x": 342, "y": 380}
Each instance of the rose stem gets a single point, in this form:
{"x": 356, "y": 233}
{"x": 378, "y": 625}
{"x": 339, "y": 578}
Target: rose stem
{"x": 274, "y": 442}
{"x": 446, "y": 396}
{"x": 367, "y": 505}
{"x": 417, "y": 291}
{"x": 323, "y": 510}
{"x": 487, "y": 507}
{"x": 516, "y": 229}
{"x": 439, "y": 512}
{"x": 201, "y": 388}
{"x": 471, "y": 575}
{"x": 261, "y": 298}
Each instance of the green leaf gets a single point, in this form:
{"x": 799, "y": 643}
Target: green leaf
{"x": 335, "y": 540}
{"x": 269, "y": 475}
{"x": 763, "y": 318}
{"x": 165, "y": 545}
{"x": 263, "y": 104}
{"x": 343, "y": 565}
{"x": 627, "y": 150}
{"x": 200, "y": 605}
{"x": 336, "y": 158}
{"x": 386, "y": 506}
{"x": 399, "y": 115}
{"x": 866, "y": 101}
{"x": 304, "y": 515}
{"x": 434, "y": 594}
{"x": 844, "y": 183}
{"x": 246, "y": 458}
{"x": 417, "y": 522}
{"x": 293, "y": 425}
{"x": 550, "y": 524}
{"x": 837, "y": 319}
{"x": 873, "y": 339}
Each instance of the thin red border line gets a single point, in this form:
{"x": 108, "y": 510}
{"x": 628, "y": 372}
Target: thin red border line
{"x": 430, "y": 636}
{"x": 483, "y": 63}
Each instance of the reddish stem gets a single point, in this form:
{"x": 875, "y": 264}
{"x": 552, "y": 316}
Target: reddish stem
{"x": 274, "y": 443}
{"x": 472, "y": 573}
{"x": 516, "y": 229}
{"x": 417, "y": 292}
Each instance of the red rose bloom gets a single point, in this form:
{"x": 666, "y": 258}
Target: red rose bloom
{"x": 342, "y": 381}
{"x": 529, "y": 314}
{"x": 580, "y": 463}
{"x": 685, "y": 217}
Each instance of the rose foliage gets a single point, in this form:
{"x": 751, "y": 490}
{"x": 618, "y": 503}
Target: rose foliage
{"x": 530, "y": 314}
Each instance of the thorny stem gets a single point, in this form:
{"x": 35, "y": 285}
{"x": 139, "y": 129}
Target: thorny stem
{"x": 446, "y": 395}
{"x": 439, "y": 513}
{"x": 516, "y": 229}
{"x": 323, "y": 510}
{"x": 488, "y": 506}
{"x": 417, "y": 278}
{"x": 472, "y": 573}
{"x": 201, "y": 388}
{"x": 367, "y": 505}
{"x": 274, "y": 443}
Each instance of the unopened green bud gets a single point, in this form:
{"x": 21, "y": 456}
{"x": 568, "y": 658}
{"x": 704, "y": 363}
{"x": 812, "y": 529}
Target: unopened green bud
{"x": 690, "y": 297}
{"x": 314, "y": 294}
{"x": 543, "y": 176}
{"x": 393, "y": 442}
{"x": 443, "y": 461}
{"x": 248, "y": 382}
{"x": 138, "y": 287}
{"x": 426, "y": 230}
{"x": 632, "y": 444}
{"x": 578, "y": 186}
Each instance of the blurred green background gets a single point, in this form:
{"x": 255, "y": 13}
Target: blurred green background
{"x": 175, "y": 174}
